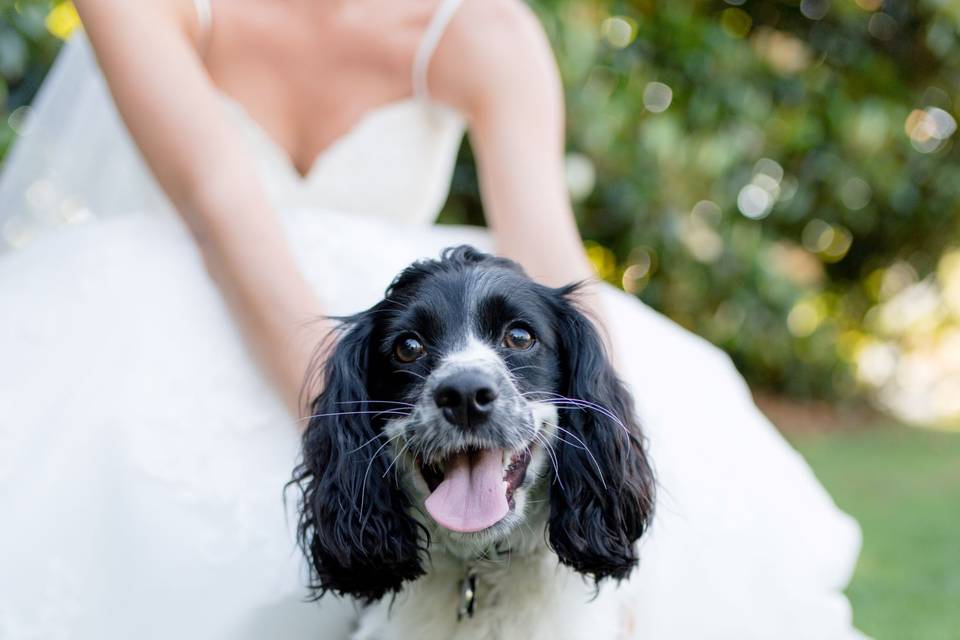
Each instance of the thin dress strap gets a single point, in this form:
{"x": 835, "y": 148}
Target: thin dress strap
{"x": 428, "y": 44}
{"x": 204, "y": 14}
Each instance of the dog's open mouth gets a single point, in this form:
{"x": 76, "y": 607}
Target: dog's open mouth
{"x": 473, "y": 490}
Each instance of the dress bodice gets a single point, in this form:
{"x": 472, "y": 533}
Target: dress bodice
{"x": 396, "y": 162}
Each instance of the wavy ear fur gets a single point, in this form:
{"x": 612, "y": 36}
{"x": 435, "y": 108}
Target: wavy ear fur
{"x": 602, "y": 500}
{"x": 354, "y": 524}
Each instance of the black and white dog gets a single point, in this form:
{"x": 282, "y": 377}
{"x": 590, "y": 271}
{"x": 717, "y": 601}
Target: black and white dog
{"x": 474, "y": 453}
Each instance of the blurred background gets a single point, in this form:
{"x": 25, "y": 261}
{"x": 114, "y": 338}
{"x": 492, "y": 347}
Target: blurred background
{"x": 783, "y": 178}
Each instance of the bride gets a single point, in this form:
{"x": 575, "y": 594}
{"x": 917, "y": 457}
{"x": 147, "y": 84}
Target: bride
{"x": 281, "y": 160}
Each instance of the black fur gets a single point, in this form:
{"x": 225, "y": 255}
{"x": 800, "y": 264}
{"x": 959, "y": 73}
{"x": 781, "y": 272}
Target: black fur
{"x": 354, "y": 525}
{"x": 601, "y": 503}
{"x": 355, "y": 522}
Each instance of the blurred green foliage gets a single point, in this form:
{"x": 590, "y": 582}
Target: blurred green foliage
{"x": 750, "y": 168}
{"x": 679, "y": 103}
{"x": 27, "y": 48}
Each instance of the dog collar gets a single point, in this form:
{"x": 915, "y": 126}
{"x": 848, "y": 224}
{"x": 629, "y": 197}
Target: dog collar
{"x": 468, "y": 595}
{"x": 468, "y": 585}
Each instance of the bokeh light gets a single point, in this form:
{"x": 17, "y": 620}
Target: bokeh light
{"x": 619, "y": 31}
{"x": 62, "y": 20}
{"x": 657, "y": 97}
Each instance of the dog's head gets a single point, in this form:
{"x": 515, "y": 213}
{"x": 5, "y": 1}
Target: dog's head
{"x": 444, "y": 406}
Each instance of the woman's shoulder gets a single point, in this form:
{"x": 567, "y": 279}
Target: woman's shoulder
{"x": 488, "y": 45}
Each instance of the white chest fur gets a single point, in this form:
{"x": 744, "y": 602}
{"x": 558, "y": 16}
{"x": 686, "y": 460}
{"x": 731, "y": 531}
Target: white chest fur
{"x": 531, "y": 597}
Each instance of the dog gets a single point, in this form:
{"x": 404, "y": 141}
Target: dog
{"x": 473, "y": 467}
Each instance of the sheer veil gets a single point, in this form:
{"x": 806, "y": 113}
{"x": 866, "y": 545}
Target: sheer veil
{"x": 74, "y": 159}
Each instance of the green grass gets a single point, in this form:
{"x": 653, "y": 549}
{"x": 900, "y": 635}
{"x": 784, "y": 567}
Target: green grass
{"x": 903, "y": 486}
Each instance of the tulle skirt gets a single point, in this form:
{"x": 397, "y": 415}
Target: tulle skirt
{"x": 143, "y": 457}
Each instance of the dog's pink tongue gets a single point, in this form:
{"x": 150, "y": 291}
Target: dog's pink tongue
{"x": 473, "y": 494}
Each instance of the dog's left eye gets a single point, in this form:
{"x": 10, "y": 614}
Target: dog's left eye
{"x": 409, "y": 349}
{"x": 518, "y": 338}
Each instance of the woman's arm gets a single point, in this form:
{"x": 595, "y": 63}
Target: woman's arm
{"x": 148, "y": 52}
{"x": 497, "y": 66}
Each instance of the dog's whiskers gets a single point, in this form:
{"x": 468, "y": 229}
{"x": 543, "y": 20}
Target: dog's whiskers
{"x": 352, "y": 413}
{"x": 397, "y": 457}
{"x": 413, "y": 373}
{"x": 563, "y": 401}
{"x": 373, "y": 439}
{"x": 579, "y": 401}
{"x": 526, "y": 366}
{"x": 406, "y": 404}
{"x": 585, "y": 448}
{"x": 366, "y": 474}
{"x": 539, "y": 437}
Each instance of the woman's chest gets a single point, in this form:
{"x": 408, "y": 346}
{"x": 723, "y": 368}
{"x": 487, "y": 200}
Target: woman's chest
{"x": 310, "y": 76}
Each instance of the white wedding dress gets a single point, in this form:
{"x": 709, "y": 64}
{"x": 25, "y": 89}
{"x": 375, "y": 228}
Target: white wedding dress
{"x": 143, "y": 457}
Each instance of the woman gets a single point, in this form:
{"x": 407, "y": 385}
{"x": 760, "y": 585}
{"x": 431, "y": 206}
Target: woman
{"x": 306, "y": 146}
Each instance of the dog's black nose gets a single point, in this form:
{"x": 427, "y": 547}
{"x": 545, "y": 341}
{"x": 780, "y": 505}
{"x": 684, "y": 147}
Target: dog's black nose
{"x": 466, "y": 398}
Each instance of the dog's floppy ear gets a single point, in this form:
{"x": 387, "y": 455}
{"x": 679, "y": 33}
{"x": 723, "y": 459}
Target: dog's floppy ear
{"x": 602, "y": 498}
{"x": 354, "y": 523}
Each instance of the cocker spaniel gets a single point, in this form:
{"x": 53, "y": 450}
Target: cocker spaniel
{"x": 474, "y": 455}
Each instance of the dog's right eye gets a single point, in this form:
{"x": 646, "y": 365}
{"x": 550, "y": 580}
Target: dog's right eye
{"x": 409, "y": 349}
{"x": 518, "y": 338}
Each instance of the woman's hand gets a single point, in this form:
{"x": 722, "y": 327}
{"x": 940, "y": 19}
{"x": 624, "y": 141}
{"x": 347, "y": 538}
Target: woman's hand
{"x": 148, "y": 51}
